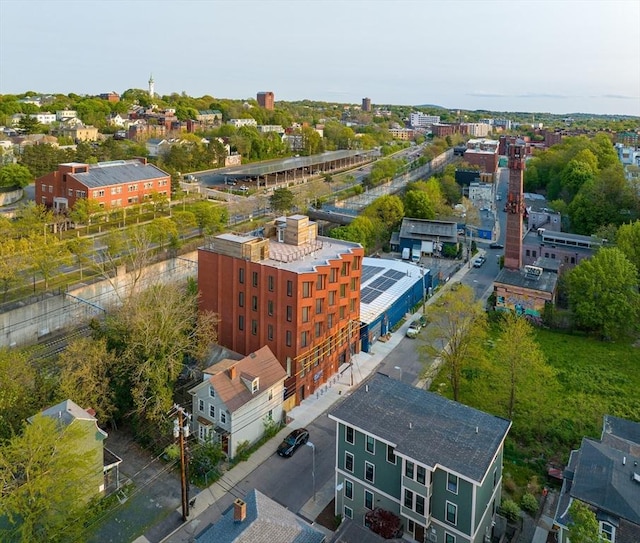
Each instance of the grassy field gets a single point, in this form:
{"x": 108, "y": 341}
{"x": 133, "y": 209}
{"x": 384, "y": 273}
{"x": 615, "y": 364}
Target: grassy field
{"x": 590, "y": 379}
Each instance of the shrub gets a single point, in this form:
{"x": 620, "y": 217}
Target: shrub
{"x": 510, "y": 510}
{"x": 529, "y": 503}
{"x": 243, "y": 452}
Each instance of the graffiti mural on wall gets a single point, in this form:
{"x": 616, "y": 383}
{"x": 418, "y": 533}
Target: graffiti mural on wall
{"x": 521, "y": 305}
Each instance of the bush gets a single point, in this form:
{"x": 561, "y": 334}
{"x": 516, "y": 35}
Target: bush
{"x": 243, "y": 452}
{"x": 529, "y": 503}
{"x": 510, "y": 510}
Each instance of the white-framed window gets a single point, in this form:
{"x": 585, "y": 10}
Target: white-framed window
{"x": 451, "y": 510}
{"x": 348, "y": 512}
{"x": 200, "y": 405}
{"x": 348, "y": 489}
{"x": 212, "y": 412}
{"x": 203, "y": 433}
{"x": 370, "y": 445}
{"x": 607, "y": 531}
{"x": 391, "y": 455}
{"x": 270, "y": 394}
{"x": 449, "y": 538}
{"x": 408, "y": 499}
{"x": 348, "y": 461}
{"x": 409, "y": 469}
{"x": 255, "y": 385}
{"x": 223, "y": 417}
{"x": 349, "y": 435}
{"x": 419, "y": 505}
{"x": 421, "y": 475}
{"x": 369, "y": 472}
{"x": 452, "y": 483}
{"x": 368, "y": 499}
{"x": 212, "y": 392}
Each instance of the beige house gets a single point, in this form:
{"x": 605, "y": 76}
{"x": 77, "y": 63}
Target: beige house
{"x": 80, "y": 133}
{"x": 237, "y": 398}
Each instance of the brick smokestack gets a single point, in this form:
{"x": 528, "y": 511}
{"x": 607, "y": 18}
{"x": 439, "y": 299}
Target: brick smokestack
{"x": 239, "y": 510}
{"x": 515, "y": 207}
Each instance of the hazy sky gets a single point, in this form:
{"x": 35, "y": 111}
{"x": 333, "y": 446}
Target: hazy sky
{"x": 557, "y": 56}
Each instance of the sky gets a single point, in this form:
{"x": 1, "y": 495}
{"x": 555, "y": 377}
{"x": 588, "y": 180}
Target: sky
{"x": 555, "y": 56}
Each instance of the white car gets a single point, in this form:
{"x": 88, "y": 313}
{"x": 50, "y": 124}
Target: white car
{"x": 478, "y": 262}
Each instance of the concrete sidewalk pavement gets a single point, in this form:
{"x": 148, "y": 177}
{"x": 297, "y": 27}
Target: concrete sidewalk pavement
{"x": 363, "y": 365}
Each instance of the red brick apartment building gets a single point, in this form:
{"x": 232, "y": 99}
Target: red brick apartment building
{"x": 265, "y": 99}
{"x": 291, "y": 290}
{"x": 114, "y": 184}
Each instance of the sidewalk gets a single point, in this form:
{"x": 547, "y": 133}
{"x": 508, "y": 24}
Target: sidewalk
{"x": 363, "y": 365}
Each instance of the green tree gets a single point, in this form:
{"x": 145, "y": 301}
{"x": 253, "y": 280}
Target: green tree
{"x": 281, "y": 200}
{"x": 80, "y": 248}
{"x": 210, "y": 218}
{"x": 12, "y": 259}
{"x": 15, "y": 175}
{"x": 628, "y": 241}
{"x": 17, "y": 378}
{"x": 388, "y": 209}
{"x": 459, "y": 324}
{"x": 43, "y": 480}
{"x": 603, "y": 294}
{"x": 583, "y": 527}
{"x": 84, "y": 210}
{"x": 46, "y": 255}
{"x": 418, "y": 205}
{"x": 574, "y": 175}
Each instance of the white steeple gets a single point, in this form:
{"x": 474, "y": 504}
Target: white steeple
{"x": 151, "y": 90}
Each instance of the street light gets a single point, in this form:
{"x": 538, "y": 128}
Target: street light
{"x": 313, "y": 467}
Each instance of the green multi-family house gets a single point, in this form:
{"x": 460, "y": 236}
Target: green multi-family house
{"x": 434, "y": 463}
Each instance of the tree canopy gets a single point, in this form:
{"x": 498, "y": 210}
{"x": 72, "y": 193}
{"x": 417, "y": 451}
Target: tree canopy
{"x": 15, "y": 175}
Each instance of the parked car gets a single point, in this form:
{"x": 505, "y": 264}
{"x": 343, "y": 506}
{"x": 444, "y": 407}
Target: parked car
{"x": 496, "y": 245}
{"x": 292, "y": 442}
{"x": 413, "y": 329}
{"x": 478, "y": 262}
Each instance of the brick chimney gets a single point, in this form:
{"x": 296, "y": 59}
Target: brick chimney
{"x": 239, "y": 510}
{"x": 232, "y": 372}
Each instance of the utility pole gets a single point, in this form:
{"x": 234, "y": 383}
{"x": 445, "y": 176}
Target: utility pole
{"x": 181, "y": 432}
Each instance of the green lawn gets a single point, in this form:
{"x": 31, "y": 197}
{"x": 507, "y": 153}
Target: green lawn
{"x": 592, "y": 379}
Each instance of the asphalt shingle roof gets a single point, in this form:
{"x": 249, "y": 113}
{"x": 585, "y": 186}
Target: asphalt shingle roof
{"x": 425, "y": 426}
{"x": 266, "y": 522}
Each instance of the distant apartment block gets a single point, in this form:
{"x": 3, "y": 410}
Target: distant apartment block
{"x": 266, "y": 99}
{"x": 110, "y": 96}
{"x": 443, "y": 130}
{"x": 421, "y": 120}
{"x": 44, "y": 118}
{"x": 291, "y": 290}
{"x": 482, "y": 153}
{"x": 209, "y": 117}
{"x": 264, "y": 128}
{"x": 65, "y": 114}
{"x": 114, "y": 184}
{"x": 631, "y": 139}
{"x": 402, "y": 133}
{"x": 476, "y": 130}
{"x": 80, "y": 133}
{"x": 366, "y": 104}
{"x": 239, "y": 123}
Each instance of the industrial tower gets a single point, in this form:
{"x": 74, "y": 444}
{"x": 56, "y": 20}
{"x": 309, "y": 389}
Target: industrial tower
{"x": 515, "y": 207}
{"x": 151, "y": 89}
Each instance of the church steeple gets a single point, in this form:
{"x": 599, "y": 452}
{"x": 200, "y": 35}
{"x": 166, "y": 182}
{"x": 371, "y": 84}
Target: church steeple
{"x": 151, "y": 90}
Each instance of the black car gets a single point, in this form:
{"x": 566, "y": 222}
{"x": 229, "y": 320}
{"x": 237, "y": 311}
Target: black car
{"x": 293, "y": 441}
{"x": 496, "y": 245}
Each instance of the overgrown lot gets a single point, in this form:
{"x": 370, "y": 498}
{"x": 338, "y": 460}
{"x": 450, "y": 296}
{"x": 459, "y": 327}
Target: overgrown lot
{"x": 589, "y": 379}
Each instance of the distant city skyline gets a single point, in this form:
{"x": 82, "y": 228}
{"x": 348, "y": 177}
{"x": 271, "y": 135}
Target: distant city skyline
{"x": 546, "y": 56}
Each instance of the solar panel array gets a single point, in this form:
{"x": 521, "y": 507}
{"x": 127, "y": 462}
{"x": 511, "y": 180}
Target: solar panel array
{"x": 379, "y": 285}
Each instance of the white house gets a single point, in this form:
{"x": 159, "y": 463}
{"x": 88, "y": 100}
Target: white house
{"x": 44, "y": 118}
{"x": 157, "y": 146}
{"x": 236, "y": 398}
{"x": 239, "y": 123}
{"x": 65, "y": 114}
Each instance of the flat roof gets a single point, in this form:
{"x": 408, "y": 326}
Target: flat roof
{"x": 518, "y": 278}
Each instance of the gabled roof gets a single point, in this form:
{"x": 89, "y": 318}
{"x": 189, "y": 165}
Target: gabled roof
{"x": 424, "y": 426}
{"x": 67, "y": 412}
{"x": 230, "y": 384}
{"x": 105, "y": 174}
{"x": 266, "y": 522}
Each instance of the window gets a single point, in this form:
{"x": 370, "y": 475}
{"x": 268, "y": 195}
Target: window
{"x": 321, "y": 282}
{"x": 348, "y": 512}
{"x": 368, "y": 499}
{"x": 319, "y": 306}
{"x": 356, "y": 263}
{"x": 318, "y": 329}
{"x": 201, "y": 405}
{"x": 452, "y": 483}
{"x": 369, "y": 472}
{"x": 408, "y": 499}
{"x": 421, "y": 475}
{"x": 254, "y": 303}
{"x": 240, "y": 299}
{"x": 306, "y": 289}
{"x": 370, "y": 445}
{"x": 391, "y": 455}
{"x": 348, "y": 489}
{"x": 352, "y": 305}
{"x": 271, "y": 283}
{"x": 223, "y": 417}
{"x": 348, "y": 461}
{"x": 212, "y": 392}
{"x": 333, "y": 275}
{"x": 448, "y": 538}
{"x": 420, "y": 504}
{"x": 607, "y": 531}
{"x": 342, "y": 311}
{"x": 343, "y": 291}
{"x": 289, "y": 288}
{"x": 354, "y": 283}
{"x": 408, "y": 469}
{"x": 241, "y": 275}
{"x": 270, "y": 308}
{"x": 332, "y": 297}
{"x": 270, "y": 394}
{"x": 289, "y": 313}
{"x": 255, "y": 385}
{"x": 349, "y": 435}
{"x": 254, "y": 327}
{"x": 212, "y": 412}
{"x": 288, "y": 338}
{"x": 452, "y": 513}
{"x": 270, "y": 332}
{"x": 240, "y": 322}
{"x": 203, "y": 432}
{"x": 344, "y": 270}
{"x": 305, "y": 314}
{"x": 132, "y": 188}
{"x": 330, "y": 319}
{"x": 254, "y": 279}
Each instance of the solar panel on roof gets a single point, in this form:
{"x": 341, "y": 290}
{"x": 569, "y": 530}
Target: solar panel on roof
{"x": 394, "y": 274}
{"x": 377, "y": 283}
{"x": 369, "y": 271}
{"x": 368, "y": 295}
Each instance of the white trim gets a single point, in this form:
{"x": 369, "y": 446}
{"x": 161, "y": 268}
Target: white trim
{"x": 365, "y": 432}
{"x": 363, "y": 483}
{"x": 446, "y": 513}
{"x": 457, "y": 483}
{"x": 344, "y": 510}
{"x": 364, "y": 473}
{"x": 353, "y": 462}
{"x": 366, "y": 444}
{"x": 364, "y": 499}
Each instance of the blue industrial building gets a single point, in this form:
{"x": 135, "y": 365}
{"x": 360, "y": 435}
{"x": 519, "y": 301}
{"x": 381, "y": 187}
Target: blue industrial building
{"x": 389, "y": 290}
